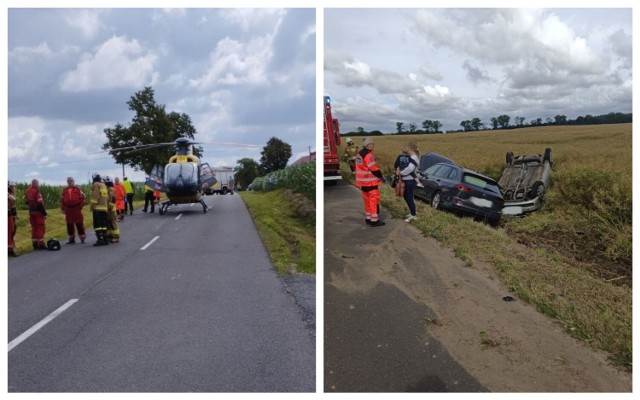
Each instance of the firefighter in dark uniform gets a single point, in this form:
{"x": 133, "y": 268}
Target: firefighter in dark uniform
{"x": 368, "y": 178}
{"x": 99, "y": 207}
{"x": 113, "y": 232}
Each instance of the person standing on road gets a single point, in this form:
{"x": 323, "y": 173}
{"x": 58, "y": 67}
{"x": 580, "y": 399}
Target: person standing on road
{"x": 368, "y": 177}
{"x": 99, "y": 207}
{"x": 405, "y": 167}
{"x": 148, "y": 197}
{"x": 72, "y": 200}
{"x": 13, "y": 216}
{"x": 350, "y": 154}
{"x": 120, "y": 198}
{"x": 113, "y": 232}
{"x": 130, "y": 191}
{"x": 37, "y": 215}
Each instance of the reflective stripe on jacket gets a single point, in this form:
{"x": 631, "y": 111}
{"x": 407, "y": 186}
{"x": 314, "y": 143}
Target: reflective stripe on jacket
{"x": 99, "y": 196}
{"x": 366, "y": 165}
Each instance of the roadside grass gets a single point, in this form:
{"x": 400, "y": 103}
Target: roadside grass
{"x": 286, "y": 224}
{"x": 572, "y": 259}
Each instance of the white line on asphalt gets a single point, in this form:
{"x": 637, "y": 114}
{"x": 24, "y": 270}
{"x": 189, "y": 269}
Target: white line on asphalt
{"x": 178, "y": 217}
{"x": 150, "y": 243}
{"x": 40, "y": 324}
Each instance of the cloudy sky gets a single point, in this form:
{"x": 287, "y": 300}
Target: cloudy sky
{"x": 384, "y": 66}
{"x": 242, "y": 75}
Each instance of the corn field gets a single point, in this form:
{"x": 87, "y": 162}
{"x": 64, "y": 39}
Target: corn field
{"x": 51, "y": 194}
{"x": 300, "y": 178}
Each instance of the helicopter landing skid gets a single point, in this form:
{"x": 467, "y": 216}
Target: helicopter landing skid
{"x": 164, "y": 206}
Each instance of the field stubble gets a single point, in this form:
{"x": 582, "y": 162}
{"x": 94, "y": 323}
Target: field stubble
{"x": 572, "y": 259}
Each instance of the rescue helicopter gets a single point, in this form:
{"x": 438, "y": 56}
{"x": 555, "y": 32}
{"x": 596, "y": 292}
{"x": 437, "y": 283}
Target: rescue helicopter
{"x": 184, "y": 178}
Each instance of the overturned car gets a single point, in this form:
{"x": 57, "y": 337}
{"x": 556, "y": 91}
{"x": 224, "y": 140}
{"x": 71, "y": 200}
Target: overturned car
{"x": 524, "y": 182}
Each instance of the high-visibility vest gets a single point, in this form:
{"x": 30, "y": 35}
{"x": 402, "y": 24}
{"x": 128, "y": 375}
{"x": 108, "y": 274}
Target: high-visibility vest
{"x": 128, "y": 187}
{"x": 365, "y": 165}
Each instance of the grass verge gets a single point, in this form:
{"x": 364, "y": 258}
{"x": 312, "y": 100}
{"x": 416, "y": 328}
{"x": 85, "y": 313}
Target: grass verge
{"x": 588, "y": 307}
{"x": 286, "y": 224}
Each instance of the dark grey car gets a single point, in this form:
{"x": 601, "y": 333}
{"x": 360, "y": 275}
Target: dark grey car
{"x": 451, "y": 187}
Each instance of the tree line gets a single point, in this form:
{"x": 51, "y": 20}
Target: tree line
{"x": 498, "y": 122}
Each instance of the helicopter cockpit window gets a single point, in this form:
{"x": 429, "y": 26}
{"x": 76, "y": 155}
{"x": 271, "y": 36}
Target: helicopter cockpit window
{"x": 186, "y": 172}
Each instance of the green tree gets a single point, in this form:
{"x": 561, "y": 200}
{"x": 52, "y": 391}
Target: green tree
{"x": 412, "y": 127}
{"x": 560, "y": 119}
{"x": 151, "y": 124}
{"x": 494, "y": 123}
{"x": 503, "y": 121}
{"x": 436, "y": 125}
{"x": 466, "y": 125}
{"x": 476, "y": 124}
{"x": 399, "y": 127}
{"x": 361, "y": 131}
{"x": 275, "y": 155}
{"x": 246, "y": 170}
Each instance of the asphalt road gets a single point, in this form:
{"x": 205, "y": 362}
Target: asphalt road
{"x": 186, "y": 302}
{"x": 374, "y": 334}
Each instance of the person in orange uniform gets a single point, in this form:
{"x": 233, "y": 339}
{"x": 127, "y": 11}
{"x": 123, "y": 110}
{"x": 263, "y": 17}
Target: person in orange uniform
{"x": 71, "y": 202}
{"x": 368, "y": 178}
{"x": 13, "y": 215}
{"x": 121, "y": 194}
{"x": 37, "y": 215}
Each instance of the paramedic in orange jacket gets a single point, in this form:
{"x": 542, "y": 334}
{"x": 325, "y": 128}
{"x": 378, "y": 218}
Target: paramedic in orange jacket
{"x": 368, "y": 177}
{"x": 121, "y": 195}
{"x": 71, "y": 202}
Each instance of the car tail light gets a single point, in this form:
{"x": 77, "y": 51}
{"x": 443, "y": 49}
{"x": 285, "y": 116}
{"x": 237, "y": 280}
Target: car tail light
{"x": 463, "y": 188}
{"x": 499, "y": 200}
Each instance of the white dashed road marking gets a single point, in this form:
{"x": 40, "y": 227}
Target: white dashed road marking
{"x": 150, "y": 243}
{"x": 40, "y": 324}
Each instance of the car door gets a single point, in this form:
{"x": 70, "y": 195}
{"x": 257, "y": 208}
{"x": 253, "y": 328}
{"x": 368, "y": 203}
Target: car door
{"x": 441, "y": 180}
{"x": 427, "y": 179}
{"x": 430, "y": 179}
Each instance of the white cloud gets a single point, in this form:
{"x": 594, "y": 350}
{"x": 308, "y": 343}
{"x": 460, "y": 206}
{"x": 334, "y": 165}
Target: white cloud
{"x": 168, "y": 13}
{"x": 118, "y": 62}
{"x": 86, "y": 21}
{"x": 29, "y": 140}
{"x": 27, "y": 54}
{"x": 247, "y": 18}
{"x": 235, "y": 63}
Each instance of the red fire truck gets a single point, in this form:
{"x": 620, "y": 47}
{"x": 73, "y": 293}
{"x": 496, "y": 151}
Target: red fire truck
{"x": 331, "y": 143}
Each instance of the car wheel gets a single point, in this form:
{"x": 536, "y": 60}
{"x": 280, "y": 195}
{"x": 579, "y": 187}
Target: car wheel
{"x": 435, "y": 200}
{"x": 509, "y": 158}
{"x": 537, "y": 190}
